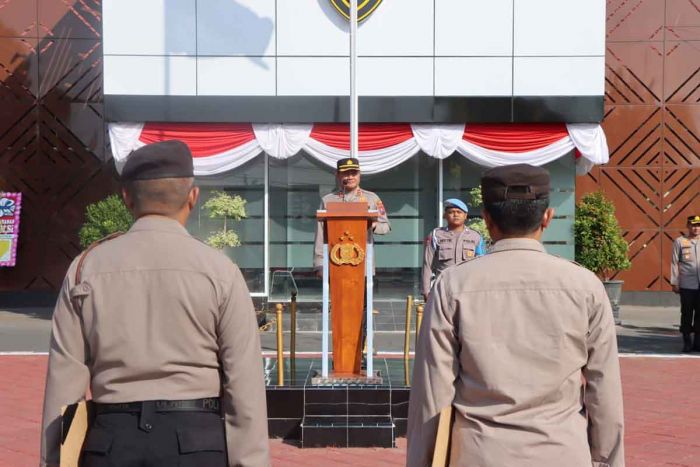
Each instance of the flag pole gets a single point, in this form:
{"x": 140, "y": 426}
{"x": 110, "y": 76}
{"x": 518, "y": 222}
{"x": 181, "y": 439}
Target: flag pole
{"x": 353, "y": 80}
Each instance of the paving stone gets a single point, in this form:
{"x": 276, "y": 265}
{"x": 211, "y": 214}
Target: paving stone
{"x": 661, "y": 397}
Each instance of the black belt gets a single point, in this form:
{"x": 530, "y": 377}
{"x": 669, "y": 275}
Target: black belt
{"x": 208, "y": 404}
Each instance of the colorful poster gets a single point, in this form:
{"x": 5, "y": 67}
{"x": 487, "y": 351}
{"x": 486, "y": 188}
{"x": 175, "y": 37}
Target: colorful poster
{"x": 10, "y": 204}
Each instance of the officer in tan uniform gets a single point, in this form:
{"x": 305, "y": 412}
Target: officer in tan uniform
{"x": 508, "y": 339}
{"x": 348, "y": 179}
{"x": 685, "y": 280}
{"x": 453, "y": 244}
{"x": 162, "y": 329}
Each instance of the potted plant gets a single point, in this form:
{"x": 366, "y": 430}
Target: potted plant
{"x": 221, "y": 205}
{"x": 103, "y": 218}
{"x": 600, "y": 246}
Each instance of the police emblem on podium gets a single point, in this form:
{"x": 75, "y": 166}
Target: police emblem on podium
{"x": 364, "y": 7}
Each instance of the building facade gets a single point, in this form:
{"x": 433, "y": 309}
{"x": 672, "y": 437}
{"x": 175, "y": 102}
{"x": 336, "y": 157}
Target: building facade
{"x": 69, "y": 69}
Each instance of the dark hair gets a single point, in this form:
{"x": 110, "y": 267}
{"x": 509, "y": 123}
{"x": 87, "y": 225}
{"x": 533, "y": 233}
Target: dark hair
{"x": 159, "y": 196}
{"x": 517, "y": 216}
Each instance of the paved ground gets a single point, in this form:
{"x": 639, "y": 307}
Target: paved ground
{"x": 661, "y": 412}
{"x": 644, "y": 330}
{"x": 662, "y": 400}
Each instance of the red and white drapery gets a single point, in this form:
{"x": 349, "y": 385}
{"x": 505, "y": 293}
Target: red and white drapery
{"x": 219, "y": 147}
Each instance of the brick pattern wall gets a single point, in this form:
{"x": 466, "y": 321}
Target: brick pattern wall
{"x": 652, "y": 121}
{"x": 52, "y": 134}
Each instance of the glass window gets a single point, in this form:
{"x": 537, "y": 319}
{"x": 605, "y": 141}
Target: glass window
{"x": 296, "y": 187}
{"x": 460, "y": 176}
{"x": 248, "y": 181}
{"x": 409, "y": 194}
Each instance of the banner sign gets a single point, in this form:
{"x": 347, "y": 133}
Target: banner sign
{"x": 10, "y": 204}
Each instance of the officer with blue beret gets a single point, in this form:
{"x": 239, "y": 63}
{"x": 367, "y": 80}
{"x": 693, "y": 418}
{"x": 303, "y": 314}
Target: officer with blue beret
{"x": 453, "y": 244}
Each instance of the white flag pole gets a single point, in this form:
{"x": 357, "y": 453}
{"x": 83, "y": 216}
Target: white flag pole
{"x": 353, "y": 80}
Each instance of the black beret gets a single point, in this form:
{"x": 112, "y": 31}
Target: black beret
{"x": 694, "y": 220}
{"x": 519, "y": 181}
{"x": 349, "y": 163}
{"x": 168, "y": 159}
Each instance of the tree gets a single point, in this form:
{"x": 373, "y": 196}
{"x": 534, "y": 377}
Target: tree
{"x": 103, "y": 218}
{"x": 478, "y": 224}
{"x": 600, "y": 245}
{"x": 221, "y": 205}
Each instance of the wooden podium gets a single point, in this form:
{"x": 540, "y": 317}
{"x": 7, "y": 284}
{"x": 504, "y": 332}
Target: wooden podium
{"x": 347, "y": 267}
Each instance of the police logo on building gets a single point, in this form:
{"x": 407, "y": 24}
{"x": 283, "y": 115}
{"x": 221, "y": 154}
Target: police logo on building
{"x": 364, "y": 7}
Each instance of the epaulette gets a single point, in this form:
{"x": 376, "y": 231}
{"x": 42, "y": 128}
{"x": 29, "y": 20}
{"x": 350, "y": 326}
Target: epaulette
{"x": 84, "y": 254}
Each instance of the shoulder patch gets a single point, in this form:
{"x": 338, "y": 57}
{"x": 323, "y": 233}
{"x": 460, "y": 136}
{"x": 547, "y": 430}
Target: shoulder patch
{"x": 380, "y": 207}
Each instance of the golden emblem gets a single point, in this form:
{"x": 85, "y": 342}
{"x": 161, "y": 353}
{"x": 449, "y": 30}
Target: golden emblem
{"x": 347, "y": 251}
{"x": 364, "y": 8}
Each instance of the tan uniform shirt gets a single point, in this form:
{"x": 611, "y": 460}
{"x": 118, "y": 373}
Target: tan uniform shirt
{"x": 505, "y": 340}
{"x": 452, "y": 247}
{"x": 160, "y": 315}
{"x": 685, "y": 263}
{"x": 383, "y": 226}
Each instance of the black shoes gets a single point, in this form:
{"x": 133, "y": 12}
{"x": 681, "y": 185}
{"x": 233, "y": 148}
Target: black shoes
{"x": 687, "y": 343}
{"x": 696, "y": 342}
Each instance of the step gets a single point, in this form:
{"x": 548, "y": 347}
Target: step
{"x": 320, "y": 431}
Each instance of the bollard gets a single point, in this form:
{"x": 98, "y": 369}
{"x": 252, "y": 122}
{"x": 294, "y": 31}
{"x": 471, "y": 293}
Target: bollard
{"x": 293, "y": 334}
{"x": 419, "y": 320}
{"x": 407, "y": 334}
{"x": 280, "y": 347}
{"x": 407, "y": 372}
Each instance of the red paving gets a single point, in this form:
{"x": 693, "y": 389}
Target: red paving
{"x": 662, "y": 413}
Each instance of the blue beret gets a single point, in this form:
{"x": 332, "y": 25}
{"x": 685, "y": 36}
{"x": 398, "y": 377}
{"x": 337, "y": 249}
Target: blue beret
{"x": 455, "y": 203}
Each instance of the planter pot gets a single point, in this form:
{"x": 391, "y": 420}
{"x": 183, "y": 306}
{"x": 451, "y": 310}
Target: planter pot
{"x": 614, "y": 291}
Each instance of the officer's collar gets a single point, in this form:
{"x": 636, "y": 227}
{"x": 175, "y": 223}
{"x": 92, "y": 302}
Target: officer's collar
{"x": 160, "y": 223}
{"x": 358, "y": 192}
{"x": 508, "y": 244}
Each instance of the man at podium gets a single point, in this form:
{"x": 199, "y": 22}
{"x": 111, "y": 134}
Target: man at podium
{"x": 348, "y": 179}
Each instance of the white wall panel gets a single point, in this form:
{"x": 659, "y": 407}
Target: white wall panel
{"x": 300, "y": 47}
{"x": 474, "y": 27}
{"x": 559, "y": 27}
{"x": 311, "y": 27}
{"x": 398, "y": 28}
{"x": 242, "y": 27}
{"x": 313, "y": 76}
{"x": 236, "y": 76}
{"x": 392, "y": 76}
{"x": 559, "y": 76}
{"x": 164, "y": 76}
{"x": 473, "y": 76}
{"x": 147, "y": 27}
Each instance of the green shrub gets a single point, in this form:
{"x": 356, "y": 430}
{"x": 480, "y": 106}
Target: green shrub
{"x": 478, "y": 224}
{"x": 600, "y": 246}
{"x": 221, "y": 205}
{"x": 104, "y": 218}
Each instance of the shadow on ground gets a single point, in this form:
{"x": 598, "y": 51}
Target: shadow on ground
{"x": 645, "y": 340}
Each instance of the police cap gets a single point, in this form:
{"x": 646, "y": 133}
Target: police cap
{"x": 518, "y": 181}
{"x": 349, "y": 163}
{"x": 167, "y": 159}
{"x": 455, "y": 203}
{"x": 693, "y": 220}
